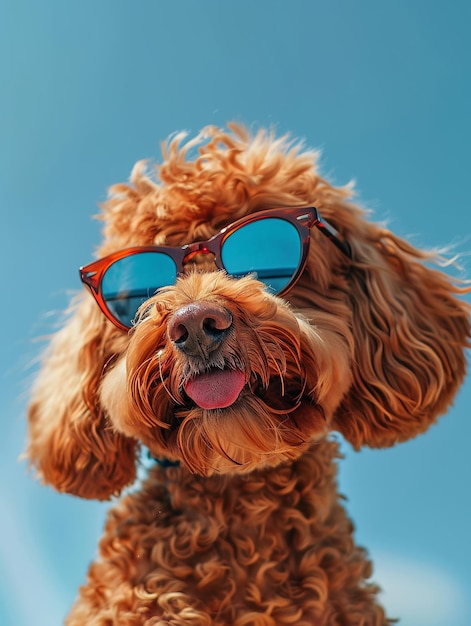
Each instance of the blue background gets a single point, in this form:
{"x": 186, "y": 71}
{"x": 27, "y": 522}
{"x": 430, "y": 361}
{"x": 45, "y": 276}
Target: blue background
{"x": 88, "y": 88}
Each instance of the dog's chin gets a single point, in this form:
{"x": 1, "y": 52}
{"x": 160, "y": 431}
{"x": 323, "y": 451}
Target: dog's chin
{"x": 208, "y": 449}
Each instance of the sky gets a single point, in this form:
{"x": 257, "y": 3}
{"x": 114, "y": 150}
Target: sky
{"x": 88, "y": 88}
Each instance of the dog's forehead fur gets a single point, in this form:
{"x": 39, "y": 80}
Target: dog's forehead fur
{"x": 207, "y": 182}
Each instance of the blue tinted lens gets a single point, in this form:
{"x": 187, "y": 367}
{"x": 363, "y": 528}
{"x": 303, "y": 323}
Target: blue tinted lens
{"x": 271, "y": 248}
{"x": 130, "y": 281}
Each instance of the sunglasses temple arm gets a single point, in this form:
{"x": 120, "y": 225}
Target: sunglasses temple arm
{"x": 331, "y": 233}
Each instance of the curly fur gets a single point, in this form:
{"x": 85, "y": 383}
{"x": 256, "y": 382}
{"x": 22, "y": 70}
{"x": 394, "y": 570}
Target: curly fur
{"x": 249, "y": 529}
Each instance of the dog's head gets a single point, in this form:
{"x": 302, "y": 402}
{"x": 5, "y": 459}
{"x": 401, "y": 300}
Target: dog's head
{"x": 219, "y": 371}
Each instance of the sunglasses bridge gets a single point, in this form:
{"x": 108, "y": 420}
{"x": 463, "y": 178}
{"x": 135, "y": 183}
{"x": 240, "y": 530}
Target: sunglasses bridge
{"x": 194, "y": 249}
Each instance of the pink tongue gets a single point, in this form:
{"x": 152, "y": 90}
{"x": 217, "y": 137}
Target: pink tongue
{"x": 217, "y": 389}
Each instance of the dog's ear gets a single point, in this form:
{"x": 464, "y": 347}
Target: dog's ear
{"x": 71, "y": 442}
{"x": 410, "y": 333}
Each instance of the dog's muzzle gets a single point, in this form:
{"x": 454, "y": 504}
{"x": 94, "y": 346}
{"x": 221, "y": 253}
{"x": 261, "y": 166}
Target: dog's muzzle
{"x": 198, "y": 330}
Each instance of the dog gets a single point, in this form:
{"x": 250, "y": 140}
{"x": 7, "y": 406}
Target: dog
{"x": 241, "y": 310}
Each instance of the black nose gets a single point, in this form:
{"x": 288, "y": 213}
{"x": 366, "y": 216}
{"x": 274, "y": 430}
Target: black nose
{"x": 199, "y": 328}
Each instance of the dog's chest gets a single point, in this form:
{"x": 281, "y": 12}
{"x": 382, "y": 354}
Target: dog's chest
{"x": 264, "y": 543}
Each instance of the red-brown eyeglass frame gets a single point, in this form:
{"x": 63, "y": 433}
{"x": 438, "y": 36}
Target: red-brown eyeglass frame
{"x": 302, "y": 218}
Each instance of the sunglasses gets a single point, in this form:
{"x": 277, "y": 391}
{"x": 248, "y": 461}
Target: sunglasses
{"x": 272, "y": 245}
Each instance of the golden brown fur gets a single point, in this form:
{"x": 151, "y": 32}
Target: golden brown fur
{"x": 249, "y": 529}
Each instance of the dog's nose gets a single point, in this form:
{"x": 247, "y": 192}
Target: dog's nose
{"x": 198, "y": 328}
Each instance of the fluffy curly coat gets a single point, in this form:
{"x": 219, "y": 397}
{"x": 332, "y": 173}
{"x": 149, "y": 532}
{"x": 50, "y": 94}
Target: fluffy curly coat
{"x": 248, "y": 530}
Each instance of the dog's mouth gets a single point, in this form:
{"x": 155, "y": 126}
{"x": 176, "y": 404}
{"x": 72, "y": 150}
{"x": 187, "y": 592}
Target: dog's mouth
{"x": 216, "y": 388}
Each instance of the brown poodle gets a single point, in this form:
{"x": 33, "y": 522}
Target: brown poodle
{"x": 241, "y": 309}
